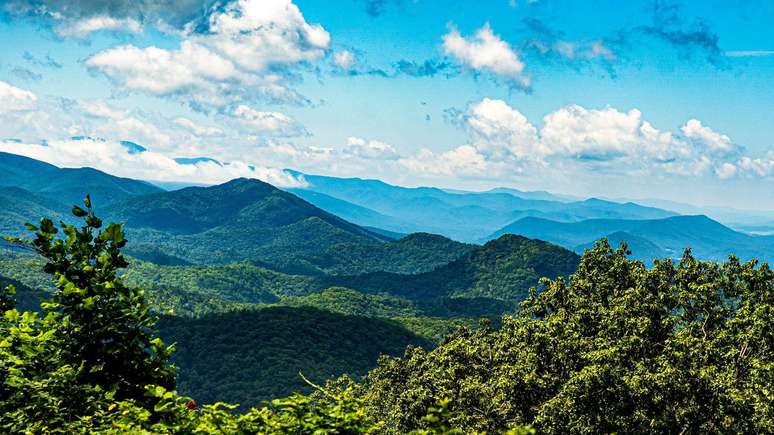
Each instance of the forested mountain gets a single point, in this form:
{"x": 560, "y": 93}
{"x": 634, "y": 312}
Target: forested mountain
{"x": 651, "y": 237}
{"x": 249, "y": 220}
{"x": 615, "y": 348}
{"x": 466, "y": 216}
{"x": 486, "y": 281}
{"x": 68, "y": 185}
{"x": 19, "y": 206}
{"x": 248, "y": 356}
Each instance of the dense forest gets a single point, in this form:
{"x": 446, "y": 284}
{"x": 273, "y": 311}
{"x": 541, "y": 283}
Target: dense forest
{"x": 616, "y": 346}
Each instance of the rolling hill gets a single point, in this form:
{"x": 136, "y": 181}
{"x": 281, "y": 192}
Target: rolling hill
{"x": 707, "y": 238}
{"x": 488, "y": 280}
{"x": 68, "y": 185}
{"x": 249, "y": 220}
{"x": 253, "y": 355}
{"x": 465, "y": 216}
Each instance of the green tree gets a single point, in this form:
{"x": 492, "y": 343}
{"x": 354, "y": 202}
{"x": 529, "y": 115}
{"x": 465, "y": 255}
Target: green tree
{"x": 620, "y": 347}
{"x": 107, "y": 327}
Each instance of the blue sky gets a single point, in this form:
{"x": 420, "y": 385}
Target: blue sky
{"x": 667, "y": 100}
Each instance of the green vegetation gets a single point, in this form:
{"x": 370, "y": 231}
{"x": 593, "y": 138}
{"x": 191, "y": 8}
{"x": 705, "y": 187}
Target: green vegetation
{"x": 249, "y": 356}
{"x": 92, "y": 364}
{"x": 248, "y": 220}
{"x": 619, "y": 348}
{"x": 487, "y": 281}
{"x": 606, "y": 344}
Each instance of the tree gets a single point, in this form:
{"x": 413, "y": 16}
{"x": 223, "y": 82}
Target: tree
{"x": 107, "y": 327}
{"x": 620, "y": 347}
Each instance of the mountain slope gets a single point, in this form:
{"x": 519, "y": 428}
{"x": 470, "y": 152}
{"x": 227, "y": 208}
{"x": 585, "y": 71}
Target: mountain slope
{"x": 466, "y": 216}
{"x": 486, "y": 280}
{"x": 19, "y": 206}
{"x": 68, "y": 185}
{"x": 707, "y": 238}
{"x": 249, "y": 356}
{"x": 248, "y": 220}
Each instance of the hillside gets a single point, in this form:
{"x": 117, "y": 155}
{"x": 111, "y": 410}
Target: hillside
{"x": 68, "y": 185}
{"x": 249, "y": 220}
{"x": 707, "y": 238}
{"x": 19, "y": 206}
{"x": 487, "y": 280}
{"x": 249, "y": 356}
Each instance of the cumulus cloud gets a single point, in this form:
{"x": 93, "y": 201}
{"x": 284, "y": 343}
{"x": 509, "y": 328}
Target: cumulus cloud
{"x": 486, "y": 51}
{"x": 758, "y": 167}
{"x": 267, "y": 123}
{"x": 258, "y": 34}
{"x": 464, "y": 160}
{"x": 503, "y": 142}
{"x": 236, "y": 53}
{"x": 82, "y": 28}
{"x": 371, "y": 149}
{"x": 714, "y": 142}
{"x": 604, "y": 134}
{"x": 198, "y": 130}
{"x": 725, "y": 170}
{"x": 496, "y": 127}
{"x": 114, "y": 158}
{"x": 13, "y": 99}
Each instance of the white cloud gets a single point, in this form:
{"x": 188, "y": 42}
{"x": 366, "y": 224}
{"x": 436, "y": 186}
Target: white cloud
{"x": 725, "y": 170}
{"x": 114, "y": 158}
{"x": 83, "y": 27}
{"x": 257, "y": 34}
{"x": 704, "y": 136}
{"x": 464, "y": 160}
{"x": 371, "y": 149}
{"x": 503, "y": 142}
{"x": 272, "y": 123}
{"x": 344, "y": 59}
{"x": 497, "y": 127}
{"x": 604, "y": 134}
{"x": 197, "y": 129}
{"x": 236, "y": 54}
{"x": 13, "y": 99}
{"x": 761, "y": 167}
{"x": 486, "y": 51}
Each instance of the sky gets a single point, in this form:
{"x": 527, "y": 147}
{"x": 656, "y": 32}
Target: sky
{"x": 640, "y": 99}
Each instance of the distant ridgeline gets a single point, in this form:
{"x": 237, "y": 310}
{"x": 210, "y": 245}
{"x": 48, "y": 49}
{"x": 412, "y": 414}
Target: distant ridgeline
{"x": 256, "y": 283}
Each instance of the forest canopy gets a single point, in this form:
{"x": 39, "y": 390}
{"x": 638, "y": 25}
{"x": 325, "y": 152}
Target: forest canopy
{"x": 616, "y": 347}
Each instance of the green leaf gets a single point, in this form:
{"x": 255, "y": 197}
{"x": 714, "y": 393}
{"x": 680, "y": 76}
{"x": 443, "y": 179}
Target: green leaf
{"x": 79, "y": 212}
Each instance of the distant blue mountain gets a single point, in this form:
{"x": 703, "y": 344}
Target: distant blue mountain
{"x": 668, "y": 237}
{"x": 464, "y": 216}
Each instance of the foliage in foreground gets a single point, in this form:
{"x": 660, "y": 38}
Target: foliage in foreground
{"x": 620, "y": 348}
{"x": 91, "y": 362}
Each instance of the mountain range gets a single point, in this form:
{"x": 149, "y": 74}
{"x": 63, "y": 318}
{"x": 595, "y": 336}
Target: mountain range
{"x": 256, "y": 283}
{"x": 649, "y": 238}
{"x": 464, "y": 216}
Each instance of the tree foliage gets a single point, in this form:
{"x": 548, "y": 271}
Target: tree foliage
{"x": 619, "y": 347}
{"x": 92, "y": 363}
